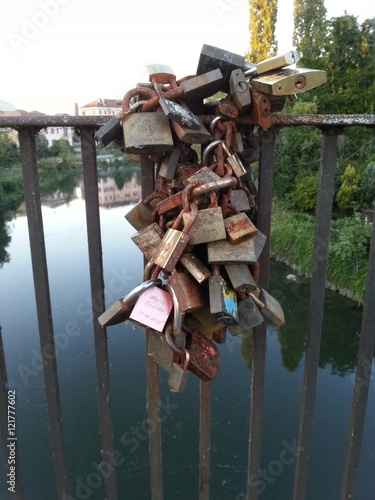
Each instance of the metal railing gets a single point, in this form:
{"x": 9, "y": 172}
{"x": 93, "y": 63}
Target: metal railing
{"x": 331, "y": 126}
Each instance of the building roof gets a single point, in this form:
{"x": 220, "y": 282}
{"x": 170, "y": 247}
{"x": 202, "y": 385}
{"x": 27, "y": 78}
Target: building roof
{"x": 20, "y": 112}
{"x": 105, "y": 103}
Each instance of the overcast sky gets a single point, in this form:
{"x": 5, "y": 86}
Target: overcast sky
{"x": 54, "y": 53}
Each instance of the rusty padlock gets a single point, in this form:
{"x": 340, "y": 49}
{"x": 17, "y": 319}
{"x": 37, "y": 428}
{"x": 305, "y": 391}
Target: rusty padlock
{"x": 204, "y": 359}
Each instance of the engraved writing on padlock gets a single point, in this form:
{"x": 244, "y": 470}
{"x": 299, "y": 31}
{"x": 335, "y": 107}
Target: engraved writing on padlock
{"x": 223, "y": 251}
{"x": 147, "y": 133}
{"x": 177, "y": 113}
{"x": 152, "y": 308}
{"x": 148, "y": 239}
{"x": 120, "y": 310}
{"x": 208, "y": 226}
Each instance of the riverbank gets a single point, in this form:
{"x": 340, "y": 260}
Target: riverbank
{"x": 292, "y": 235}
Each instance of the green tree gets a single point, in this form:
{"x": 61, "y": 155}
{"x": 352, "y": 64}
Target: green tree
{"x": 309, "y": 30}
{"x": 9, "y": 152}
{"x": 347, "y": 194}
{"x": 367, "y": 184}
{"x": 305, "y": 191}
{"x": 263, "y": 44}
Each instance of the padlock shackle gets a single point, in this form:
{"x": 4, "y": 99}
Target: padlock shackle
{"x": 170, "y": 341}
{"x": 208, "y": 150}
{"x": 131, "y": 297}
{"x": 178, "y": 316}
{"x": 137, "y": 91}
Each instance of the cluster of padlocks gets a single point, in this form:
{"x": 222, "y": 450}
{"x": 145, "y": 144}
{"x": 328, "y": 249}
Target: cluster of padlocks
{"x": 197, "y": 230}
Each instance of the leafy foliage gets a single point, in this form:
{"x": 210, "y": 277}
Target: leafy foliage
{"x": 263, "y": 15}
{"x": 305, "y": 191}
{"x": 346, "y": 195}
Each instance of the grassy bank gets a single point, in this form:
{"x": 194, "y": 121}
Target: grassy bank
{"x": 292, "y": 235}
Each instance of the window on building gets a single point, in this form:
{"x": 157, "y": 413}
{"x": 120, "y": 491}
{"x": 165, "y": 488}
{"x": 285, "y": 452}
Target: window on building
{"x": 52, "y": 130}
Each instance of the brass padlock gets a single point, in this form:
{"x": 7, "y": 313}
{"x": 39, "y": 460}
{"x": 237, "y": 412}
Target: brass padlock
{"x": 192, "y": 136}
{"x": 287, "y": 81}
{"x": 270, "y": 307}
{"x": 208, "y": 224}
{"x": 203, "y": 321}
{"x": 174, "y": 241}
{"x": 148, "y": 239}
{"x": 240, "y": 277}
{"x": 223, "y": 299}
{"x": 158, "y": 348}
{"x": 195, "y": 267}
{"x": 179, "y": 373}
{"x": 234, "y": 161}
{"x": 277, "y": 62}
{"x": 120, "y": 310}
{"x": 147, "y": 133}
{"x": 224, "y": 251}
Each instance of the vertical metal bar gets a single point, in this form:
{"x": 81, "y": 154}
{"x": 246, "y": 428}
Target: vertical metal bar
{"x": 316, "y": 308}
{"x": 43, "y": 303}
{"x": 362, "y": 380}
{"x": 204, "y": 439}
{"x": 266, "y": 163}
{"x": 18, "y": 493}
{"x": 90, "y": 179}
{"x": 152, "y": 372}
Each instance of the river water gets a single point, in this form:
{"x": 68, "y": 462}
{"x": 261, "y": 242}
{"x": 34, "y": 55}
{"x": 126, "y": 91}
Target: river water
{"x": 65, "y": 232}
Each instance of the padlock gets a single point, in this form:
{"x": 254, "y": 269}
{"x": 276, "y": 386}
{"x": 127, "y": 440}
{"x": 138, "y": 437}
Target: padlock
{"x": 195, "y": 267}
{"x": 248, "y": 314}
{"x": 204, "y": 174}
{"x": 238, "y": 226}
{"x": 109, "y": 132}
{"x": 120, "y": 310}
{"x": 192, "y": 136}
{"x": 208, "y": 224}
{"x": 224, "y": 251}
{"x": 188, "y": 292}
{"x": 239, "y": 200}
{"x": 287, "y": 81}
{"x": 179, "y": 114}
{"x": 148, "y": 239}
{"x": 141, "y": 214}
{"x": 158, "y": 348}
{"x": 174, "y": 241}
{"x": 239, "y": 89}
{"x": 161, "y": 73}
{"x": 220, "y": 335}
{"x": 270, "y": 307}
{"x": 203, "y": 321}
{"x": 260, "y": 109}
{"x": 147, "y": 133}
{"x": 259, "y": 241}
{"x": 213, "y": 57}
{"x": 223, "y": 299}
{"x": 240, "y": 277}
{"x": 204, "y": 359}
{"x": 169, "y": 164}
{"x": 228, "y": 108}
{"x": 152, "y": 308}
{"x": 179, "y": 373}
{"x": 234, "y": 161}
{"x": 277, "y": 62}
{"x": 199, "y": 87}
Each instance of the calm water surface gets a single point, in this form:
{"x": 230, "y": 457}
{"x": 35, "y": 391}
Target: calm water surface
{"x": 65, "y": 231}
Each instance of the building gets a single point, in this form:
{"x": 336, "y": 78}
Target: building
{"x": 52, "y": 134}
{"x": 100, "y": 107}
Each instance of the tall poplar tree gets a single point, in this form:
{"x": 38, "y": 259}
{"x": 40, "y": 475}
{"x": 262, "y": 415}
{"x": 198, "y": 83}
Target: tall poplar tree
{"x": 309, "y": 29}
{"x": 263, "y": 15}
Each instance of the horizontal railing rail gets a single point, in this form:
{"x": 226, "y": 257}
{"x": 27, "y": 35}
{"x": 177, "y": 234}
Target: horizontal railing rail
{"x": 331, "y": 126}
